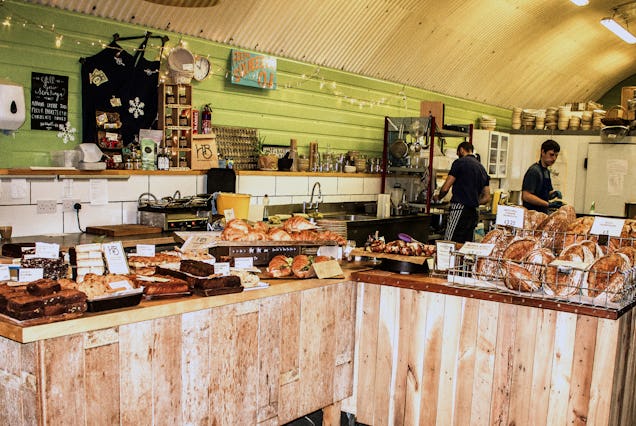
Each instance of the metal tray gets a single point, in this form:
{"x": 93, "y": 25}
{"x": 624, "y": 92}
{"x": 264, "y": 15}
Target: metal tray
{"x": 114, "y": 302}
{"x": 217, "y": 291}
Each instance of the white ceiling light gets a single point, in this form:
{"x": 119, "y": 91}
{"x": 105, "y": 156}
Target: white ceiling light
{"x": 615, "y": 27}
{"x": 618, "y": 23}
{"x": 580, "y": 2}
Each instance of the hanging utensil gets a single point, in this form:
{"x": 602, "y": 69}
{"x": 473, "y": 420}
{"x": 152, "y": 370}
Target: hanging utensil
{"x": 399, "y": 148}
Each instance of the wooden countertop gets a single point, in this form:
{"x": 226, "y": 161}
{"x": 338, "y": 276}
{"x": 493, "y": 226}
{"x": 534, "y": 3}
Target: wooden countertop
{"x": 71, "y": 240}
{"x": 153, "y": 309}
{"x": 425, "y": 282}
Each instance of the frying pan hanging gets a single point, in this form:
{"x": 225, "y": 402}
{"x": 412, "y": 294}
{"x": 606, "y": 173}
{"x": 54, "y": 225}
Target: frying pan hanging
{"x": 399, "y": 148}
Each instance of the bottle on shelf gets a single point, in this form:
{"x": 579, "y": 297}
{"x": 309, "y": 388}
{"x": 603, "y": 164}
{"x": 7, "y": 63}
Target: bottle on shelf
{"x": 206, "y": 120}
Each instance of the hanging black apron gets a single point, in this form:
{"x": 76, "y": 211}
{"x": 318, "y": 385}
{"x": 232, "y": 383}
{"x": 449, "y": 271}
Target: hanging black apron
{"x": 115, "y": 81}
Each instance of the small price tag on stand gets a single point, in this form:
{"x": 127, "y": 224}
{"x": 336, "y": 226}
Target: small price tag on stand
{"x": 244, "y": 262}
{"x": 30, "y": 274}
{"x": 147, "y": 250}
{"x": 222, "y": 268}
{"x": 229, "y": 214}
{"x": 478, "y": 249}
{"x": 198, "y": 242}
{"x": 607, "y": 226}
{"x": 5, "y": 275}
{"x": 444, "y": 259}
{"x": 47, "y": 250}
{"x": 328, "y": 269}
{"x": 115, "y": 258}
{"x": 510, "y": 216}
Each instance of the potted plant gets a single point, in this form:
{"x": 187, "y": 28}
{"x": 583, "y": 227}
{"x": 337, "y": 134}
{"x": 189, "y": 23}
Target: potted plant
{"x": 266, "y": 161}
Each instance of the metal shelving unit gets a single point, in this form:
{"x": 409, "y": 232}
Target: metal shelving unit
{"x": 419, "y": 130}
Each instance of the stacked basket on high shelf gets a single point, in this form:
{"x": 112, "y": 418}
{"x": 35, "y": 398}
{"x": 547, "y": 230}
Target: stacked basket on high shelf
{"x": 555, "y": 257}
{"x": 571, "y": 117}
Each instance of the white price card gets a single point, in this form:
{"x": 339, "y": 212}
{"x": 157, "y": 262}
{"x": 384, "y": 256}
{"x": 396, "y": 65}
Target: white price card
{"x": 479, "y": 249}
{"x": 30, "y": 274}
{"x": 120, "y": 285}
{"x": 222, "y": 268}
{"x": 229, "y": 214}
{"x": 607, "y": 226}
{"x": 243, "y": 262}
{"x": 47, "y": 251}
{"x": 147, "y": 250}
{"x": 115, "y": 258}
{"x": 5, "y": 275}
{"x": 444, "y": 259}
{"x": 199, "y": 242}
{"x": 510, "y": 216}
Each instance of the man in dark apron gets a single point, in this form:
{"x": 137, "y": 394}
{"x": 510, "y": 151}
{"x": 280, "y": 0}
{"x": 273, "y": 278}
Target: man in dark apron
{"x": 537, "y": 191}
{"x": 471, "y": 187}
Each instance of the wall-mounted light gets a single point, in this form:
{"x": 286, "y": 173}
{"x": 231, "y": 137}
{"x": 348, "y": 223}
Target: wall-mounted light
{"x": 618, "y": 29}
{"x": 581, "y": 2}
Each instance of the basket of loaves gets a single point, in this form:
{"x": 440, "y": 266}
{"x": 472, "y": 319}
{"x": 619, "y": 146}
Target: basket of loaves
{"x": 555, "y": 257}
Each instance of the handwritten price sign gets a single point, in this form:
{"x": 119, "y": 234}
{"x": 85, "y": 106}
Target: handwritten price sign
{"x": 510, "y": 216}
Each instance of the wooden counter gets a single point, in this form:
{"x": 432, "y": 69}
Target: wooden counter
{"x": 67, "y": 241}
{"x": 261, "y": 357}
{"x": 427, "y": 355}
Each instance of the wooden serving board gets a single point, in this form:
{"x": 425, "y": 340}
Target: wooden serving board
{"x": 419, "y": 260}
{"x": 122, "y": 230}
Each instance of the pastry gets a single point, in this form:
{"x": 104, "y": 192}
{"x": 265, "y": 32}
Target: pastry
{"x": 297, "y": 224}
{"x": 43, "y": 287}
{"x": 279, "y": 234}
{"x": 197, "y": 268}
{"x": 280, "y": 266}
{"x": 301, "y": 267}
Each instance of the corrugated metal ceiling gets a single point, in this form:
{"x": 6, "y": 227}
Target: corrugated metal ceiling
{"x": 500, "y": 52}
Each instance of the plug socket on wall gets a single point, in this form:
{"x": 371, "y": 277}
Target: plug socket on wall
{"x": 46, "y": 206}
{"x": 68, "y": 205}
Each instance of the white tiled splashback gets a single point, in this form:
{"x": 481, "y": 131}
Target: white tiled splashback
{"x": 18, "y": 199}
{"x": 296, "y": 189}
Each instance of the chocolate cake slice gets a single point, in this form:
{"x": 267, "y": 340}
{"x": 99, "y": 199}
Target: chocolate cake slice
{"x": 43, "y": 287}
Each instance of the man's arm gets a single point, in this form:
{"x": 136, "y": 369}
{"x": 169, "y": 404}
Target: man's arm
{"x": 450, "y": 180}
{"x": 530, "y": 198}
{"x": 484, "y": 197}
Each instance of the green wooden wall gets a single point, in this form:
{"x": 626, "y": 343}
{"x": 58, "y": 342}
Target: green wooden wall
{"x": 340, "y": 110}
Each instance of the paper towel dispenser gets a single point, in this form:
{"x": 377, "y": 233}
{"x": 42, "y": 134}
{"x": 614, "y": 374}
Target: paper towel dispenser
{"x": 12, "y": 113}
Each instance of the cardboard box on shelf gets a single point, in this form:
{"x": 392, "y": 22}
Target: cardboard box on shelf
{"x": 628, "y": 101}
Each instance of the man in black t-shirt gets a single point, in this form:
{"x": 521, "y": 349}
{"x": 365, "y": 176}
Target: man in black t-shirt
{"x": 537, "y": 192}
{"x": 471, "y": 188}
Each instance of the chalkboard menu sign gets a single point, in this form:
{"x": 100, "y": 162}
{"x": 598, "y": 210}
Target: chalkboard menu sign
{"x": 49, "y": 101}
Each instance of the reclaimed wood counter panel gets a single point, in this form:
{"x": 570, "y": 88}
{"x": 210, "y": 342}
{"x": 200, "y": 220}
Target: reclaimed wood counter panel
{"x": 262, "y": 357}
{"x": 429, "y": 357}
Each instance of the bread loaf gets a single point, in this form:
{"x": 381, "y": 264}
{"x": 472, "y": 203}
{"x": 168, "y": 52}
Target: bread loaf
{"x": 518, "y": 278}
{"x": 564, "y": 281}
{"x": 608, "y": 274}
{"x": 488, "y": 268}
{"x": 536, "y": 262}
{"x": 518, "y": 249}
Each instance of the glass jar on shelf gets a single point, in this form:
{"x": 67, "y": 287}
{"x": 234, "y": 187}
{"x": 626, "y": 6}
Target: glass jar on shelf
{"x": 170, "y": 98}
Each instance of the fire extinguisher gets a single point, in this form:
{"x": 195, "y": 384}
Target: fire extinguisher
{"x": 206, "y": 120}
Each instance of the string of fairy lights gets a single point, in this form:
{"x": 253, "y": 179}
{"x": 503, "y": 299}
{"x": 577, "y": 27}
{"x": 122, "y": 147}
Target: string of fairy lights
{"x": 10, "y": 19}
